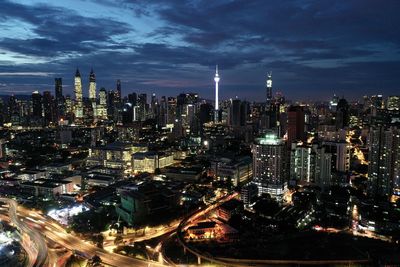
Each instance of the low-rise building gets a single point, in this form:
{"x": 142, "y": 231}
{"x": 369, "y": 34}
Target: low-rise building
{"x": 184, "y": 174}
{"x": 117, "y": 155}
{"x": 144, "y": 201}
{"x": 47, "y": 187}
{"x": 237, "y": 170}
{"x": 150, "y": 161}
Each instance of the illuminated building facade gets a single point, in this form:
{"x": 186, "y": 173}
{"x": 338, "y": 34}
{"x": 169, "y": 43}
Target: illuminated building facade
{"x": 384, "y": 161}
{"x": 269, "y": 165}
{"x": 268, "y": 86}
{"x": 92, "y": 86}
{"x": 78, "y": 96}
{"x": 310, "y": 164}
{"x": 101, "y": 108}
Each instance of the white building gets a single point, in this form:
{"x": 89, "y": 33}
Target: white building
{"x": 269, "y": 165}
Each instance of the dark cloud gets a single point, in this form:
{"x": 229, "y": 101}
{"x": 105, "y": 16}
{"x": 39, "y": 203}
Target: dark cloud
{"x": 60, "y": 31}
{"x": 313, "y": 47}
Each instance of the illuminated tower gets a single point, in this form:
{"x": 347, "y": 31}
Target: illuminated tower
{"x": 216, "y": 80}
{"x": 78, "y": 96}
{"x": 269, "y": 89}
{"x": 92, "y": 86}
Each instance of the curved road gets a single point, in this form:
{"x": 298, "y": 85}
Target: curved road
{"x": 56, "y": 233}
{"x": 35, "y": 246}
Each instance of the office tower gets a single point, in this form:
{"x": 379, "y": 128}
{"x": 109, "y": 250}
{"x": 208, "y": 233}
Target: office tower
{"x": 269, "y": 165}
{"x": 59, "y": 98}
{"x": 78, "y": 96}
{"x": 111, "y": 105}
{"x": 342, "y": 114}
{"x": 143, "y": 107}
{"x": 68, "y": 104}
{"x": 393, "y": 102}
{"x": 234, "y": 113}
{"x": 333, "y": 103}
{"x": 171, "y": 110}
{"x": 205, "y": 113}
{"x": 48, "y": 108}
{"x": 311, "y": 164}
{"x": 118, "y": 92}
{"x": 58, "y": 89}
{"x": 268, "y": 88}
{"x": 132, "y": 98}
{"x": 102, "y": 106}
{"x": 127, "y": 113}
{"x": 295, "y": 124}
{"x": 244, "y": 112}
{"x": 12, "y": 111}
{"x": 36, "y": 105}
{"x": 384, "y": 161}
{"x": 92, "y": 86}
{"x": 216, "y": 106}
{"x": 377, "y": 101}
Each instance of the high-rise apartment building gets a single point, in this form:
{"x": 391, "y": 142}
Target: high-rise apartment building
{"x": 269, "y": 165}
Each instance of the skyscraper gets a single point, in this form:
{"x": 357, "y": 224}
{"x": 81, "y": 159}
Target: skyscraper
{"x": 342, "y": 114}
{"x": 58, "y": 89}
{"x": 78, "y": 96}
{"x": 59, "y": 100}
{"x": 48, "y": 107}
{"x": 216, "y": 107}
{"x": 268, "y": 85}
{"x": 92, "y": 86}
{"x": 384, "y": 161}
{"x": 295, "y": 126}
{"x": 311, "y": 164}
{"x": 36, "y": 105}
{"x": 393, "y": 102}
{"x": 102, "y": 106}
{"x": 118, "y": 93}
{"x": 269, "y": 165}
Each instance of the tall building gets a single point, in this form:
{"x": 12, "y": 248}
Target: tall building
{"x": 48, "y": 108}
{"x": 268, "y": 87}
{"x": 234, "y": 113}
{"x": 58, "y": 88}
{"x": 216, "y": 106}
{"x": 143, "y": 107}
{"x": 118, "y": 92}
{"x": 92, "y": 86}
{"x": 340, "y": 151}
{"x": 342, "y": 114}
{"x": 102, "y": 106}
{"x": 295, "y": 124}
{"x": 78, "y": 96}
{"x": 311, "y": 164}
{"x": 384, "y": 161}
{"x": 132, "y": 98}
{"x": 269, "y": 165}
{"x": 37, "y": 105}
{"x": 59, "y": 98}
{"x": 393, "y": 102}
{"x": 171, "y": 110}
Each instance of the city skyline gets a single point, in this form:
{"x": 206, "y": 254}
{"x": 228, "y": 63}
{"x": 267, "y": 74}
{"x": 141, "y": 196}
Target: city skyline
{"x": 319, "y": 49}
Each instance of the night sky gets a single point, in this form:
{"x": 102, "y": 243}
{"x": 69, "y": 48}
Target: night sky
{"x": 313, "y": 48}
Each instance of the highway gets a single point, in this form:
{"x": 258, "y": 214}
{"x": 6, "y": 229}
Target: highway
{"x": 57, "y": 234}
{"x": 33, "y": 242}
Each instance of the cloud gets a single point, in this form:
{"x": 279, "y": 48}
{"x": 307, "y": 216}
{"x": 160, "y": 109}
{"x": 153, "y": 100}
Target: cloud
{"x": 309, "y": 45}
{"x": 40, "y": 74}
